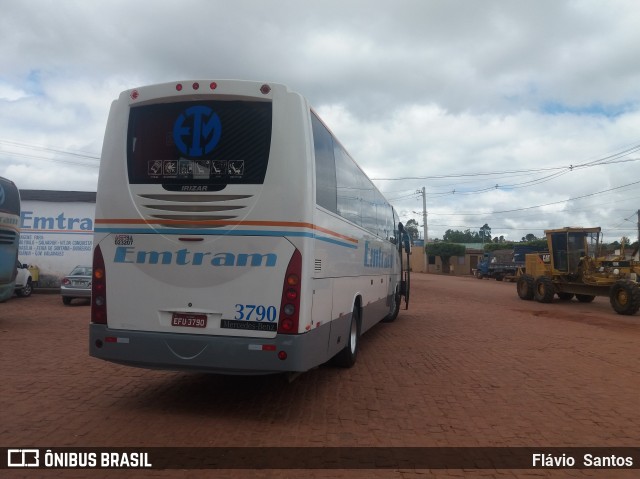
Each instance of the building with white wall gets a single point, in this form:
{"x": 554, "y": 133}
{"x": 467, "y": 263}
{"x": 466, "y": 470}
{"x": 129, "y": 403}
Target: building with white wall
{"x": 56, "y": 232}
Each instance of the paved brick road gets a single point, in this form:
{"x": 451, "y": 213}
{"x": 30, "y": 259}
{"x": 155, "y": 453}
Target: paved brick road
{"x": 468, "y": 365}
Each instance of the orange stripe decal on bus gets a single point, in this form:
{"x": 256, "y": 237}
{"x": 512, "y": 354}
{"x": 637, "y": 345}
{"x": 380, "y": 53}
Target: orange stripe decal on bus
{"x": 285, "y": 224}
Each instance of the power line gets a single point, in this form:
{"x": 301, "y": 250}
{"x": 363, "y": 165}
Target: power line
{"x": 525, "y": 184}
{"x": 67, "y": 155}
{"x": 609, "y": 159}
{"x": 10, "y": 156}
{"x": 540, "y": 206}
{"x": 46, "y": 148}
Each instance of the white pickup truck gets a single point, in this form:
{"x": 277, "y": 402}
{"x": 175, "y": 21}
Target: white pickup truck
{"x": 24, "y": 284}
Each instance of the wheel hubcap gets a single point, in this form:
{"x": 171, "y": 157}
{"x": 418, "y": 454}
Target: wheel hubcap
{"x": 623, "y": 297}
{"x": 353, "y": 335}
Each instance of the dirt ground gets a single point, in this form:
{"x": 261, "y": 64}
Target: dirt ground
{"x": 468, "y": 365}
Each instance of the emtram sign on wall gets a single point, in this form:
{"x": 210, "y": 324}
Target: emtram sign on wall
{"x": 56, "y": 232}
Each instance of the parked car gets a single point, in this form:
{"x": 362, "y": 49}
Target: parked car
{"x": 24, "y": 283}
{"x": 76, "y": 284}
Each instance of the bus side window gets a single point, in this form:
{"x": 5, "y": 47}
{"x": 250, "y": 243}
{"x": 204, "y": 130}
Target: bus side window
{"x": 325, "y": 166}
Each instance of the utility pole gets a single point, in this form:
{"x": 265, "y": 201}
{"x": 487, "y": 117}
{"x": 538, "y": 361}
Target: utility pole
{"x": 423, "y": 192}
{"x": 638, "y": 225}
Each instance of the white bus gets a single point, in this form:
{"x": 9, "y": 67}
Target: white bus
{"x": 235, "y": 235}
{"x": 9, "y": 236}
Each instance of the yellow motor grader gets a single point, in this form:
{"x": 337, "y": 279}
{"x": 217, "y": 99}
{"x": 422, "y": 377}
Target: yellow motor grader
{"x": 573, "y": 267}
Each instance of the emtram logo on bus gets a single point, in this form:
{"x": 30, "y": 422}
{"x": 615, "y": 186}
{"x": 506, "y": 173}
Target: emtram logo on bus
{"x": 197, "y": 131}
{"x": 183, "y": 257}
{"x": 376, "y": 257}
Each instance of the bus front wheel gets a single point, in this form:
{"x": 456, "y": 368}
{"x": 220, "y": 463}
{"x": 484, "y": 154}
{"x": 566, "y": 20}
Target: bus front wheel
{"x": 396, "y": 299}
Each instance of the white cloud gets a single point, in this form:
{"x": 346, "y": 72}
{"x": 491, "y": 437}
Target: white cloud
{"x": 11, "y": 93}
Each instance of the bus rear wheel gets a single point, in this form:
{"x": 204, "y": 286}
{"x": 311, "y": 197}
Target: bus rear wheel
{"x": 347, "y": 357}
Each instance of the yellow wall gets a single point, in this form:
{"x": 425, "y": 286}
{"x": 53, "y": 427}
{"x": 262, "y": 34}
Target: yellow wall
{"x": 458, "y": 266}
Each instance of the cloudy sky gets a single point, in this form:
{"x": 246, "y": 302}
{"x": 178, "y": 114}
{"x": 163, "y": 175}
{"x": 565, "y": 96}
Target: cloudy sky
{"x": 524, "y": 115}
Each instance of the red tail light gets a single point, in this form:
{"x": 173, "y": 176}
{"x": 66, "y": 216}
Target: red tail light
{"x": 98, "y": 289}
{"x": 290, "y": 304}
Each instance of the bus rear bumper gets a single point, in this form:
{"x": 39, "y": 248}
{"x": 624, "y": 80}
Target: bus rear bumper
{"x": 212, "y": 354}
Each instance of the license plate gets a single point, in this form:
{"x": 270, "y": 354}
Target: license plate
{"x": 80, "y": 283}
{"x": 189, "y": 320}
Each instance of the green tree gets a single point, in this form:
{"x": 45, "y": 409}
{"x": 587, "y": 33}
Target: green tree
{"x": 411, "y": 227}
{"x": 455, "y": 236}
{"x": 485, "y": 233}
{"x": 488, "y": 247}
{"x": 539, "y": 244}
{"x": 446, "y": 251}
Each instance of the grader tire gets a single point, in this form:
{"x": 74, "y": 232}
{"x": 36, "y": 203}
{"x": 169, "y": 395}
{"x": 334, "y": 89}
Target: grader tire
{"x": 543, "y": 290}
{"x": 625, "y": 297}
{"x": 525, "y": 287}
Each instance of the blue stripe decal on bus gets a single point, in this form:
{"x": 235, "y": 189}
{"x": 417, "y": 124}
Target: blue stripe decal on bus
{"x": 199, "y": 232}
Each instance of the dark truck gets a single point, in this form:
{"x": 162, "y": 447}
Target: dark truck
{"x": 504, "y": 264}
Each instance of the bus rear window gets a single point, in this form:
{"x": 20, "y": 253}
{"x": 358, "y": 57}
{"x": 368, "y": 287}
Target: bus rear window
{"x": 202, "y": 143}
